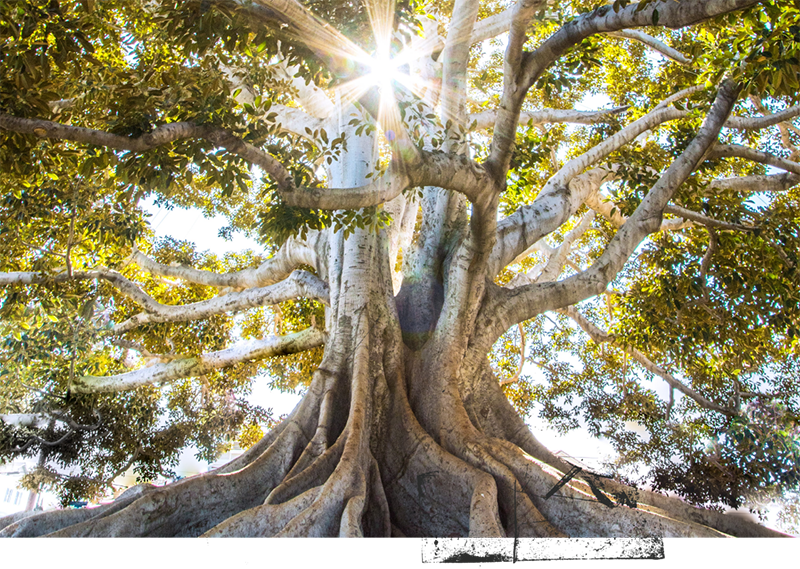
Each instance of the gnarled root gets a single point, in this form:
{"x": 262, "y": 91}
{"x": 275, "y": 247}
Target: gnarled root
{"x": 34, "y": 524}
{"x": 575, "y": 508}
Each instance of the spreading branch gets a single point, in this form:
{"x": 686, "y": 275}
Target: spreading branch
{"x": 739, "y": 151}
{"x": 161, "y": 135}
{"x": 291, "y": 255}
{"x": 298, "y": 284}
{"x": 564, "y": 193}
{"x": 522, "y": 70}
{"x": 525, "y": 302}
{"x": 653, "y": 43}
{"x": 758, "y": 123}
{"x": 492, "y": 26}
{"x": 557, "y": 257}
{"x": 124, "y": 285}
{"x": 202, "y": 364}
{"x": 514, "y": 89}
{"x": 758, "y": 183}
{"x": 454, "y": 60}
{"x": 434, "y": 169}
{"x": 485, "y": 119}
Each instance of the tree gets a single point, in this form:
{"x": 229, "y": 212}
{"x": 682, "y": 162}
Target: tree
{"x": 419, "y": 207}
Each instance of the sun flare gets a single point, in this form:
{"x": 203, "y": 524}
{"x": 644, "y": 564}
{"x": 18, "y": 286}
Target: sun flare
{"x": 388, "y": 69}
{"x": 384, "y": 70}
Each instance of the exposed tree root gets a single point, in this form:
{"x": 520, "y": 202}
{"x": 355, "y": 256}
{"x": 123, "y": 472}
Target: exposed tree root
{"x": 503, "y": 422}
{"x": 10, "y": 519}
{"x": 378, "y": 472}
{"x": 576, "y": 508}
{"x": 384, "y": 477}
{"x": 35, "y": 524}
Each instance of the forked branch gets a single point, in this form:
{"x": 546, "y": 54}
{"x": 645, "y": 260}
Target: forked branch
{"x": 560, "y": 199}
{"x": 522, "y": 303}
{"x": 202, "y": 364}
{"x": 299, "y": 284}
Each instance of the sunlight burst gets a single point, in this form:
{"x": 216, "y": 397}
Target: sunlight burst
{"x": 387, "y": 72}
{"x": 384, "y": 70}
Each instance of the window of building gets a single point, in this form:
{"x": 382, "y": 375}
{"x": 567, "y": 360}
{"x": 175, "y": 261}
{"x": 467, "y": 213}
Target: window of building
{"x": 7, "y": 497}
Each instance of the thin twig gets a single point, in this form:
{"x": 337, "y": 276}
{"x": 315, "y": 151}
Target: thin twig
{"x": 515, "y": 377}
{"x": 70, "y": 238}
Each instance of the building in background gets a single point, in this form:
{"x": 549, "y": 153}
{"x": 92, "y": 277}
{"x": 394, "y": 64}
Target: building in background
{"x": 13, "y": 498}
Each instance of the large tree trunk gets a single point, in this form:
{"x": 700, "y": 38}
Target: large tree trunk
{"x": 404, "y": 430}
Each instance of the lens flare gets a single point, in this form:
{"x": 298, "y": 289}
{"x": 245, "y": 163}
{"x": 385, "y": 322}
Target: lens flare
{"x": 386, "y": 71}
{"x": 383, "y": 71}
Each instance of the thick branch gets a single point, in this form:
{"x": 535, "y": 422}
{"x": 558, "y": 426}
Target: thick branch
{"x": 417, "y": 171}
{"x": 560, "y": 198}
{"x": 653, "y": 43}
{"x": 609, "y": 145}
{"x": 514, "y": 90}
{"x": 492, "y": 26}
{"x": 454, "y": 59}
{"x": 451, "y": 172}
{"x": 524, "y": 11}
{"x": 314, "y": 100}
{"x": 485, "y": 119}
{"x": 30, "y": 420}
{"x": 670, "y": 14}
{"x": 557, "y": 257}
{"x": 163, "y": 134}
{"x": 523, "y": 303}
{"x": 203, "y": 364}
{"x": 762, "y": 183}
{"x": 739, "y": 151}
{"x": 291, "y": 255}
{"x": 443, "y": 170}
{"x": 757, "y": 123}
{"x": 125, "y": 286}
{"x": 299, "y": 283}
{"x": 558, "y": 260}
{"x": 384, "y": 189}
{"x": 522, "y": 72}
